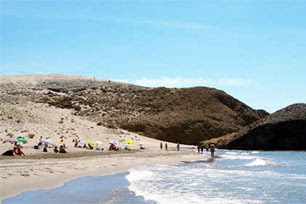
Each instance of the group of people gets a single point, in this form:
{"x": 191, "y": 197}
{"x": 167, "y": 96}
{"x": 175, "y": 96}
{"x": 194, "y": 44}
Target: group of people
{"x": 210, "y": 147}
{"x": 17, "y": 148}
{"x": 178, "y": 146}
{"x": 161, "y": 146}
{"x": 113, "y": 147}
{"x": 15, "y": 151}
{"x": 62, "y": 148}
{"x": 86, "y": 145}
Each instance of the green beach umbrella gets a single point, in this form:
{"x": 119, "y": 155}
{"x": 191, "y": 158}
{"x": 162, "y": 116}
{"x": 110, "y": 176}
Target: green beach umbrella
{"x": 22, "y": 139}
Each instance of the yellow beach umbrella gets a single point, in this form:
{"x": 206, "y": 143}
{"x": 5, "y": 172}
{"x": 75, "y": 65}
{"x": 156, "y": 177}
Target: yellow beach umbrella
{"x": 129, "y": 142}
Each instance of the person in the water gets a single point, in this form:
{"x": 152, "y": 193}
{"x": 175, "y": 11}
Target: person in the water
{"x": 212, "y": 150}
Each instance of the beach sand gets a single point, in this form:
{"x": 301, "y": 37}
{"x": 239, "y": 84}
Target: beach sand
{"x": 39, "y": 170}
{"x": 19, "y": 175}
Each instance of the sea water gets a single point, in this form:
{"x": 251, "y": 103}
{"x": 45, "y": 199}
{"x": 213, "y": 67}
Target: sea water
{"x": 232, "y": 177}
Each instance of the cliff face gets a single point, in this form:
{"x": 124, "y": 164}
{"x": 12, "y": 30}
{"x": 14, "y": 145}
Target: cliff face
{"x": 186, "y": 115}
{"x": 282, "y": 130}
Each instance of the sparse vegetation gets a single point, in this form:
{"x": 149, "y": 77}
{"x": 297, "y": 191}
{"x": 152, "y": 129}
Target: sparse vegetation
{"x": 31, "y": 135}
{"x": 189, "y": 115}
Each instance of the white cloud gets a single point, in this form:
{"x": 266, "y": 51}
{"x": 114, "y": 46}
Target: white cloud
{"x": 188, "y": 82}
{"x": 121, "y": 80}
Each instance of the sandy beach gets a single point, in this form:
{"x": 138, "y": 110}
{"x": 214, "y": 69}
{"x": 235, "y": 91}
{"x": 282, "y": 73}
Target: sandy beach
{"x": 39, "y": 170}
{"x": 19, "y": 175}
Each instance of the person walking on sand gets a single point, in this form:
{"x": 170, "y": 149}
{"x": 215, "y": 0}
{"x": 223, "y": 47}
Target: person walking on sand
{"x": 212, "y": 150}
{"x": 178, "y": 146}
{"x": 161, "y": 146}
{"x": 202, "y": 148}
{"x": 199, "y": 148}
{"x": 166, "y": 147}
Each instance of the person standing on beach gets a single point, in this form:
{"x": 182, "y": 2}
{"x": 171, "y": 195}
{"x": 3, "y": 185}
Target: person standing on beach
{"x": 161, "y": 146}
{"x": 212, "y": 150}
{"x": 202, "y": 148}
{"x": 166, "y": 147}
{"x": 178, "y": 146}
{"x": 207, "y": 146}
{"x": 199, "y": 148}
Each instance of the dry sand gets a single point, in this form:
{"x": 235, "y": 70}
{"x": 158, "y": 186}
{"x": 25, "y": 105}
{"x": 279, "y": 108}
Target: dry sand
{"x": 39, "y": 170}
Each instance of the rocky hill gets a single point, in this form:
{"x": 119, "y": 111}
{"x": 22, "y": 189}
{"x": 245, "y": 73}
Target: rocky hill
{"x": 282, "y": 130}
{"x": 187, "y": 115}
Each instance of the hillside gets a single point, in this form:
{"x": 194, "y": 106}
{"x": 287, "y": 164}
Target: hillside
{"x": 282, "y": 130}
{"x": 186, "y": 115}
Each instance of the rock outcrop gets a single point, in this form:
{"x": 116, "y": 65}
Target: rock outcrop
{"x": 282, "y": 130}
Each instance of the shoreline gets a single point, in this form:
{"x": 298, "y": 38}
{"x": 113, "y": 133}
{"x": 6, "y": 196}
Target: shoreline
{"x": 35, "y": 174}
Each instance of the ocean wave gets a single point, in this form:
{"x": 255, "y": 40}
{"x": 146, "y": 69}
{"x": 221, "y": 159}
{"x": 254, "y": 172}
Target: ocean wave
{"x": 259, "y": 162}
{"x": 232, "y": 153}
{"x": 238, "y": 156}
{"x": 181, "y": 184}
{"x": 225, "y": 180}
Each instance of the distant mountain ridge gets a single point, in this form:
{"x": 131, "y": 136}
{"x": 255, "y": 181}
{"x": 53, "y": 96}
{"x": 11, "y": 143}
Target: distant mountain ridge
{"x": 186, "y": 115}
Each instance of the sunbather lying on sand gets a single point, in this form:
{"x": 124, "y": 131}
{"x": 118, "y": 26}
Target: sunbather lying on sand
{"x": 62, "y": 149}
{"x": 17, "y": 151}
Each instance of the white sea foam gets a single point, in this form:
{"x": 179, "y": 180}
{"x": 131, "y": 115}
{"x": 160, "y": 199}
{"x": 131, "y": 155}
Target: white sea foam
{"x": 238, "y": 156}
{"x": 226, "y": 180}
{"x": 228, "y": 152}
{"x": 258, "y": 162}
{"x": 185, "y": 186}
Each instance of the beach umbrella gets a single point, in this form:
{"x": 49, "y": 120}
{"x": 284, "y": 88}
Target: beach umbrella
{"x": 113, "y": 142}
{"x": 47, "y": 141}
{"x": 97, "y": 143}
{"x": 22, "y": 139}
{"x": 11, "y": 140}
{"x": 90, "y": 142}
{"x": 129, "y": 142}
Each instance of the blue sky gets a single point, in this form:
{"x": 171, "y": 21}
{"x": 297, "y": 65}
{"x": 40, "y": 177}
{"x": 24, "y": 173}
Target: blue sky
{"x": 255, "y": 50}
